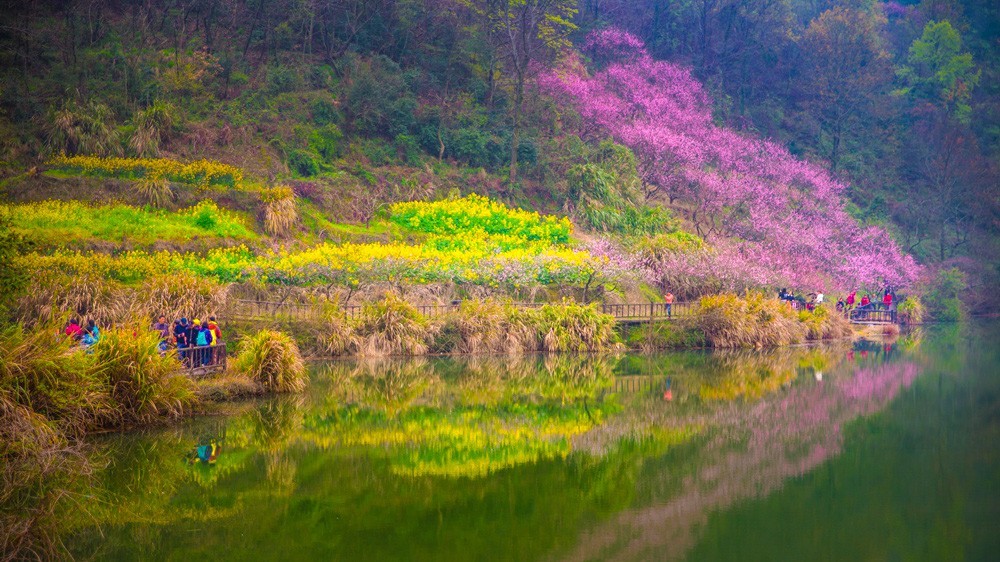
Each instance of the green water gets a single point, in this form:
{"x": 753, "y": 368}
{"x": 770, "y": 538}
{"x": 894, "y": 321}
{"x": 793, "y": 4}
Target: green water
{"x": 866, "y": 451}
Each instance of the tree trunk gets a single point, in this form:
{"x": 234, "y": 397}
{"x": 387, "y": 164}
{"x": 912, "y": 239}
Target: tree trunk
{"x": 515, "y": 136}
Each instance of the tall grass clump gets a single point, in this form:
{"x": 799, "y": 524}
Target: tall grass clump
{"x": 730, "y": 321}
{"x": 272, "y": 359}
{"x": 822, "y": 325}
{"x": 391, "y": 326}
{"x": 335, "y": 333}
{"x": 154, "y": 191}
{"x": 573, "y": 327}
{"x": 279, "y": 212}
{"x": 142, "y": 383}
{"x": 487, "y": 327}
{"x": 40, "y": 370}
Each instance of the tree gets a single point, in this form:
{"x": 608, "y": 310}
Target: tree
{"x": 765, "y": 209}
{"x": 522, "y": 31}
{"x": 949, "y": 178}
{"x": 938, "y": 72}
{"x": 846, "y": 71}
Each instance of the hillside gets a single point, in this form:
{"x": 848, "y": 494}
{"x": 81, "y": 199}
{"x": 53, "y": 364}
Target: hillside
{"x": 246, "y": 142}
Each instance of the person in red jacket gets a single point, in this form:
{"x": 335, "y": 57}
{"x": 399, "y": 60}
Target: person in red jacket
{"x": 887, "y": 301}
{"x": 73, "y": 329}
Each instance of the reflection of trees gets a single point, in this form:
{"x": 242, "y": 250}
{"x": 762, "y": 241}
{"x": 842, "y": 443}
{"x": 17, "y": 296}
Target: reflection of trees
{"x": 389, "y": 386}
{"x": 492, "y": 413}
{"x": 753, "y": 450}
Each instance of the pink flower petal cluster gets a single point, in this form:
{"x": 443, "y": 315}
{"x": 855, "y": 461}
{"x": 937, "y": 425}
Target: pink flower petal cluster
{"x": 781, "y": 216}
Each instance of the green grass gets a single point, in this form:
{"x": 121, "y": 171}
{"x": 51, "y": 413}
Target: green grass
{"x": 63, "y": 223}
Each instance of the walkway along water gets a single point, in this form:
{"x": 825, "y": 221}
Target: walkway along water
{"x": 203, "y": 360}
{"x": 629, "y": 313}
{"x": 624, "y": 313}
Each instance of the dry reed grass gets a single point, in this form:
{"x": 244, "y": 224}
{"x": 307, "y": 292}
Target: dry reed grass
{"x": 154, "y": 191}
{"x": 110, "y": 302}
{"x": 391, "y": 326}
{"x": 142, "y": 383}
{"x": 272, "y": 360}
{"x": 279, "y": 212}
{"x": 730, "y": 321}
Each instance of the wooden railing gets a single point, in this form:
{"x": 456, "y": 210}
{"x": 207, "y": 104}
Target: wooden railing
{"x": 872, "y": 315}
{"x": 204, "y": 359}
{"x": 647, "y": 311}
{"x": 628, "y": 312}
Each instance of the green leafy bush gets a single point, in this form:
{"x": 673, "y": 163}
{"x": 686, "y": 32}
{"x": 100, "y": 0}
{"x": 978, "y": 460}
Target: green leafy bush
{"x": 942, "y": 296}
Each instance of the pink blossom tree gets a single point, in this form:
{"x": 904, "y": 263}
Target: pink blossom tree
{"x": 773, "y": 217}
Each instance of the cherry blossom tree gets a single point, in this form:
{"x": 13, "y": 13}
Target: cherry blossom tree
{"x": 777, "y": 219}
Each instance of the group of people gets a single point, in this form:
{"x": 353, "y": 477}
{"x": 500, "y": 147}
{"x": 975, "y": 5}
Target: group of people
{"x": 196, "y": 342}
{"x": 868, "y": 301}
{"x": 799, "y": 301}
{"x": 87, "y": 335}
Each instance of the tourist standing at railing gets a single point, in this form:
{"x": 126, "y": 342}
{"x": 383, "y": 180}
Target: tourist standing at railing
{"x": 668, "y": 303}
{"x": 163, "y": 328}
{"x": 216, "y": 338}
{"x": 181, "y": 333}
{"x": 887, "y": 300}
{"x": 851, "y": 299}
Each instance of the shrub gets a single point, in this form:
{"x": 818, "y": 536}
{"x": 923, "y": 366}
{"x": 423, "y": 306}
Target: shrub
{"x": 272, "y": 360}
{"x": 336, "y": 333}
{"x": 379, "y": 102}
{"x": 821, "y": 325}
{"x": 75, "y": 128}
{"x": 575, "y": 328}
{"x": 152, "y": 125}
{"x": 326, "y": 141}
{"x": 942, "y": 296}
{"x": 303, "y": 163}
{"x": 910, "y": 310}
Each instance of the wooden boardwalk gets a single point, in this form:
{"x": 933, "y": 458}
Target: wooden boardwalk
{"x": 872, "y": 317}
{"x": 203, "y": 360}
{"x": 626, "y": 313}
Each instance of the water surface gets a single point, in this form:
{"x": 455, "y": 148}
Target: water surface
{"x": 871, "y": 450}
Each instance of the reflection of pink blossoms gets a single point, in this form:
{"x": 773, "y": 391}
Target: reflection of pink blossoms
{"x": 783, "y": 214}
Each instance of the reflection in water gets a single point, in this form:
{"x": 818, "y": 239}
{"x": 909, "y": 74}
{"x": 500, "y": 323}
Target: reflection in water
{"x": 489, "y": 416}
{"x": 574, "y": 457}
{"x": 785, "y": 436}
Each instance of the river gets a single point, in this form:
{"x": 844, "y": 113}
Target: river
{"x": 871, "y": 450}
